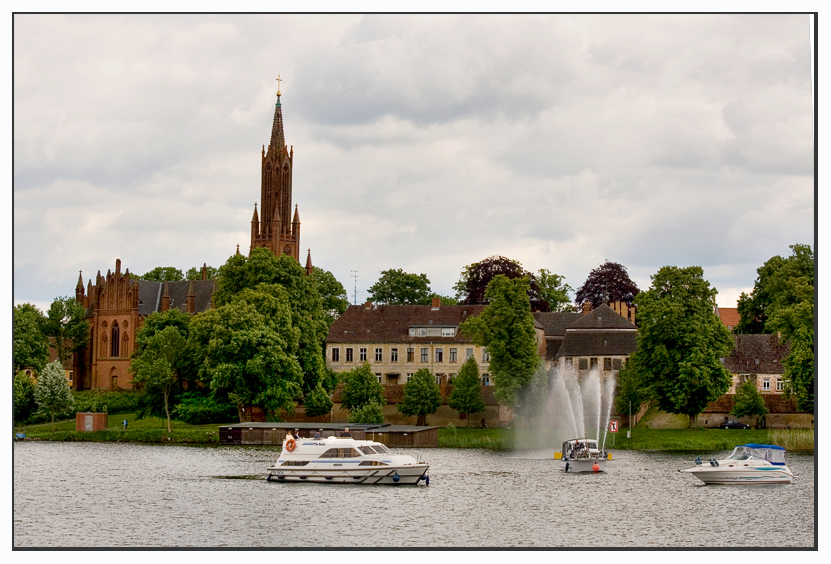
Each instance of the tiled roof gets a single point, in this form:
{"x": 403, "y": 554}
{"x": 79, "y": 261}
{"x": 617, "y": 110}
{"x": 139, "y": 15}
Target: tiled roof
{"x": 756, "y": 354}
{"x": 729, "y": 316}
{"x": 150, "y": 295}
{"x": 601, "y": 317}
{"x": 554, "y": 323}
{"x": 599, "y": 343}
{"x": 391, "y": 323}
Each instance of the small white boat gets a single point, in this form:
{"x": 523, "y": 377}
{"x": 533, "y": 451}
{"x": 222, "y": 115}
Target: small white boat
{"x": 583, "y": 455}
{"x": 344, "y": 460}
{"x": 747, "y": 464}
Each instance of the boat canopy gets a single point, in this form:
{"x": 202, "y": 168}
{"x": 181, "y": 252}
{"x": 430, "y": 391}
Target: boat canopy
{"x": 772, "y": 453}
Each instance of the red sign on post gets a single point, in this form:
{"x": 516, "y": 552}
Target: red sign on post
{"x": 613, "y": 426}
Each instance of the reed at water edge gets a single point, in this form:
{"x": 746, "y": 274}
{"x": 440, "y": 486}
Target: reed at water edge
{"x": 792, "y": 439}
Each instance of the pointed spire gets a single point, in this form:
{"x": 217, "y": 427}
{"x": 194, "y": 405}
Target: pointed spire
{"x": 278, "y": 141}
{"x": 80, "y": 283}
{"x": 309, "y": 267}
{"x": 237, "y": 248}
{"x": 255, "y": 218}
{"x": 296, "y": 215}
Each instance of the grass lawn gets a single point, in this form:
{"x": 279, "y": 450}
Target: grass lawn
{"x": 148, "y": 430}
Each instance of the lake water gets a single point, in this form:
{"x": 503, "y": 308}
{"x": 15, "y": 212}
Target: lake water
{"x": 129, "y": 495}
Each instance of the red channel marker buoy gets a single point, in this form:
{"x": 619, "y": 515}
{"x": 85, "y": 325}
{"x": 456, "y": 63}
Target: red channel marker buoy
{"x": 596, "y": 467}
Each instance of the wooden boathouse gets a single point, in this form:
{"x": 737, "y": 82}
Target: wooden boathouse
{"x": 393, "y": 436}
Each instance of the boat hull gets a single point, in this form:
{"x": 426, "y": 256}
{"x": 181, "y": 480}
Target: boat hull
{"x": 402, "y": 475}
{"x": 745, "y": 475}
{"x": 585, "y": 465}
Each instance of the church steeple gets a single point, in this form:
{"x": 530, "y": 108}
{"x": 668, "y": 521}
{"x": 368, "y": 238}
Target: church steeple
{"x": 278, "y": 140}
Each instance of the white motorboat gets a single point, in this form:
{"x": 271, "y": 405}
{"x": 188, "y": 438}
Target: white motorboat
{"x": 583, "y": 455}
{"x": 345, "y": 461}
{"x": 747, "y": 464}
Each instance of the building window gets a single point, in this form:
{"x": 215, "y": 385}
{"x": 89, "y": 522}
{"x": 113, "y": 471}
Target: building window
{"x": 439, "y": 355}
{"x": 438, "y": 379}
{"x": 410, "y": 355}
{"x": 424, "y": 355}
{"x": 780, "y": 385}
{"x": 468, "y": 353}
{"x": 569, "y": 362}
{"x": 409, "y": 375}
{"x": 379, "y": 355}
{"x": 362, "y": 353}
{"x": 486, "y": 379}
{"x": 607, "y": 364}
{"x": 766, "y": 385}
{"x": 592, "y": 363}
{"x": 448, "y": 331}
{"x": 114, "y": 341}
{"x": 486, "y": 357}
{"x": 452, "y": 355}
{"x": 394, "y": 355}
{"x": 616, "y": 364}
{"x": 377, "y": 375}
{"x": 335, "y": 354}
{"x": 583, "y": 364}
{"x": 348, "y": 354}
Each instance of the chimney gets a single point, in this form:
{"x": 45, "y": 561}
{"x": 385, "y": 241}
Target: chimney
{"x": 191, "y": 299}
{"x": 587, "y": 307}
{"x": 436, "y": 303}
{"x": 165, "y": 297}
{"x": 368, "y": 305}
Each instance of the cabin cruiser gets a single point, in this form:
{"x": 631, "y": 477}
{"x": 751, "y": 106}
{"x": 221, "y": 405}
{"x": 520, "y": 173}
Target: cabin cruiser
{"x": 345, "y": 460}
{"x": 747, "y": 464}
{"x": 583, "y": 455}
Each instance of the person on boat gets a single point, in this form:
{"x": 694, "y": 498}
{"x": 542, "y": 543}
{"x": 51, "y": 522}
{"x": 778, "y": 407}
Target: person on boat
{"x": 297, "y": 433}
{"x": 345, "y": 433}
{"x": 289, "y": 436}
{"x": 317, "y": 434}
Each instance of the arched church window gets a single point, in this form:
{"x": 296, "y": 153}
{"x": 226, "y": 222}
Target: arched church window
{"x": 103, "y": 350}
{"x": 115, "y": 341}
{"x": 125, "y": 345}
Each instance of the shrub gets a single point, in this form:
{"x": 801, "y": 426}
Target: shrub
{"x": 198, "y": 409}
{"x": 24, "y": 397}
{"x": 371, "y": 412}
{"x": 109, "y": 402}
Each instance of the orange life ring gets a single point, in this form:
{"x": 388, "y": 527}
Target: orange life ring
{"x": 291, "y": 445}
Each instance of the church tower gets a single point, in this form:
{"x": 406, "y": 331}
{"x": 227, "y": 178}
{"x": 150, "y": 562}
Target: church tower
{"x": 274, "y": 227}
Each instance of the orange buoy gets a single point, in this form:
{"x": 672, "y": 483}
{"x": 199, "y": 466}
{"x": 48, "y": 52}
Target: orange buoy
{"x": 291, "y": 445}
{"x": 596, "y": 467}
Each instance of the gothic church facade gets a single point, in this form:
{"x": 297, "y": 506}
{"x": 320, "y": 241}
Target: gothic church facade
{"x": 117, "y": 304}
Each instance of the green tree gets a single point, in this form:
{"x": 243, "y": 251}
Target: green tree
{"x": 681, "y": 341}
{"x": 506, "y": 328}
{"x": 195, "y": 273}
{"x": 332, "y": 294}
{"x": 422, "y": 396}
{"x": 23, "y": 394}
{"x": 306, "y": 307}
{"x": 372, "y": 412}
{"x": 31, "y": 347}
{"x": 466, "y": 396}
{"x": 475, "y": 278}
{"x": 52, "y": 392}
{"x": 187, "y": 366}
{"x": 164, "y": 274}
{"x": 247, "y": 358}
{"x": 631, "y": 392}
{"x": 155, "y": 366}
{"x": 317, "y": 402}
{"x": 554, "y": 290}
{"x": 782, "y": 302}
{"x": 607, "y": 283}
{"x": 749, "y": 402}
{"x": 361, "y": 387}
{"x": 66, "y": 324}
{"x": 445, "y": 300}
{"x": 396, "y": 287}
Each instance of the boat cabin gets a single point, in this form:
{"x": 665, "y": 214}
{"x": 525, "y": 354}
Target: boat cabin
{"x": 772, "y": 453}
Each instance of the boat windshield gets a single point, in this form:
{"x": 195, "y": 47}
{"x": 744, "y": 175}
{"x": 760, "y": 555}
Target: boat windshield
{"x": 380, "y": 449}
{"x": 367, "y": 450}
{"x": 758, "y": 452}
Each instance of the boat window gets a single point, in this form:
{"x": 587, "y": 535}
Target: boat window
{"x": 295, "y": 463}
{"x": 366, "y": 450}
{"x": 372, "y": 463}
{"x": 380, "y": 449}
{"x": 340, "y": 453}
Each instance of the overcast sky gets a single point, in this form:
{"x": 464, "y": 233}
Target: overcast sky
{"x": 421, "y": 142}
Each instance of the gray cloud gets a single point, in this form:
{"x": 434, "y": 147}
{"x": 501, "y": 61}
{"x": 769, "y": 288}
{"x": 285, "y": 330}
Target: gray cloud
{"x": 423, "y": 142}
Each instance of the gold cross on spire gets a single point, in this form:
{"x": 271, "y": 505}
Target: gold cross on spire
{"x": 278, "y": 84}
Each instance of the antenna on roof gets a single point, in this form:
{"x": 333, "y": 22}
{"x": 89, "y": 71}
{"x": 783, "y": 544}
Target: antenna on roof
{"x": 354, "y": 274}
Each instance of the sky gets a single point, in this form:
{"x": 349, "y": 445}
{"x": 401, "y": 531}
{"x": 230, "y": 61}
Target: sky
{"x": 421, "y": 142}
